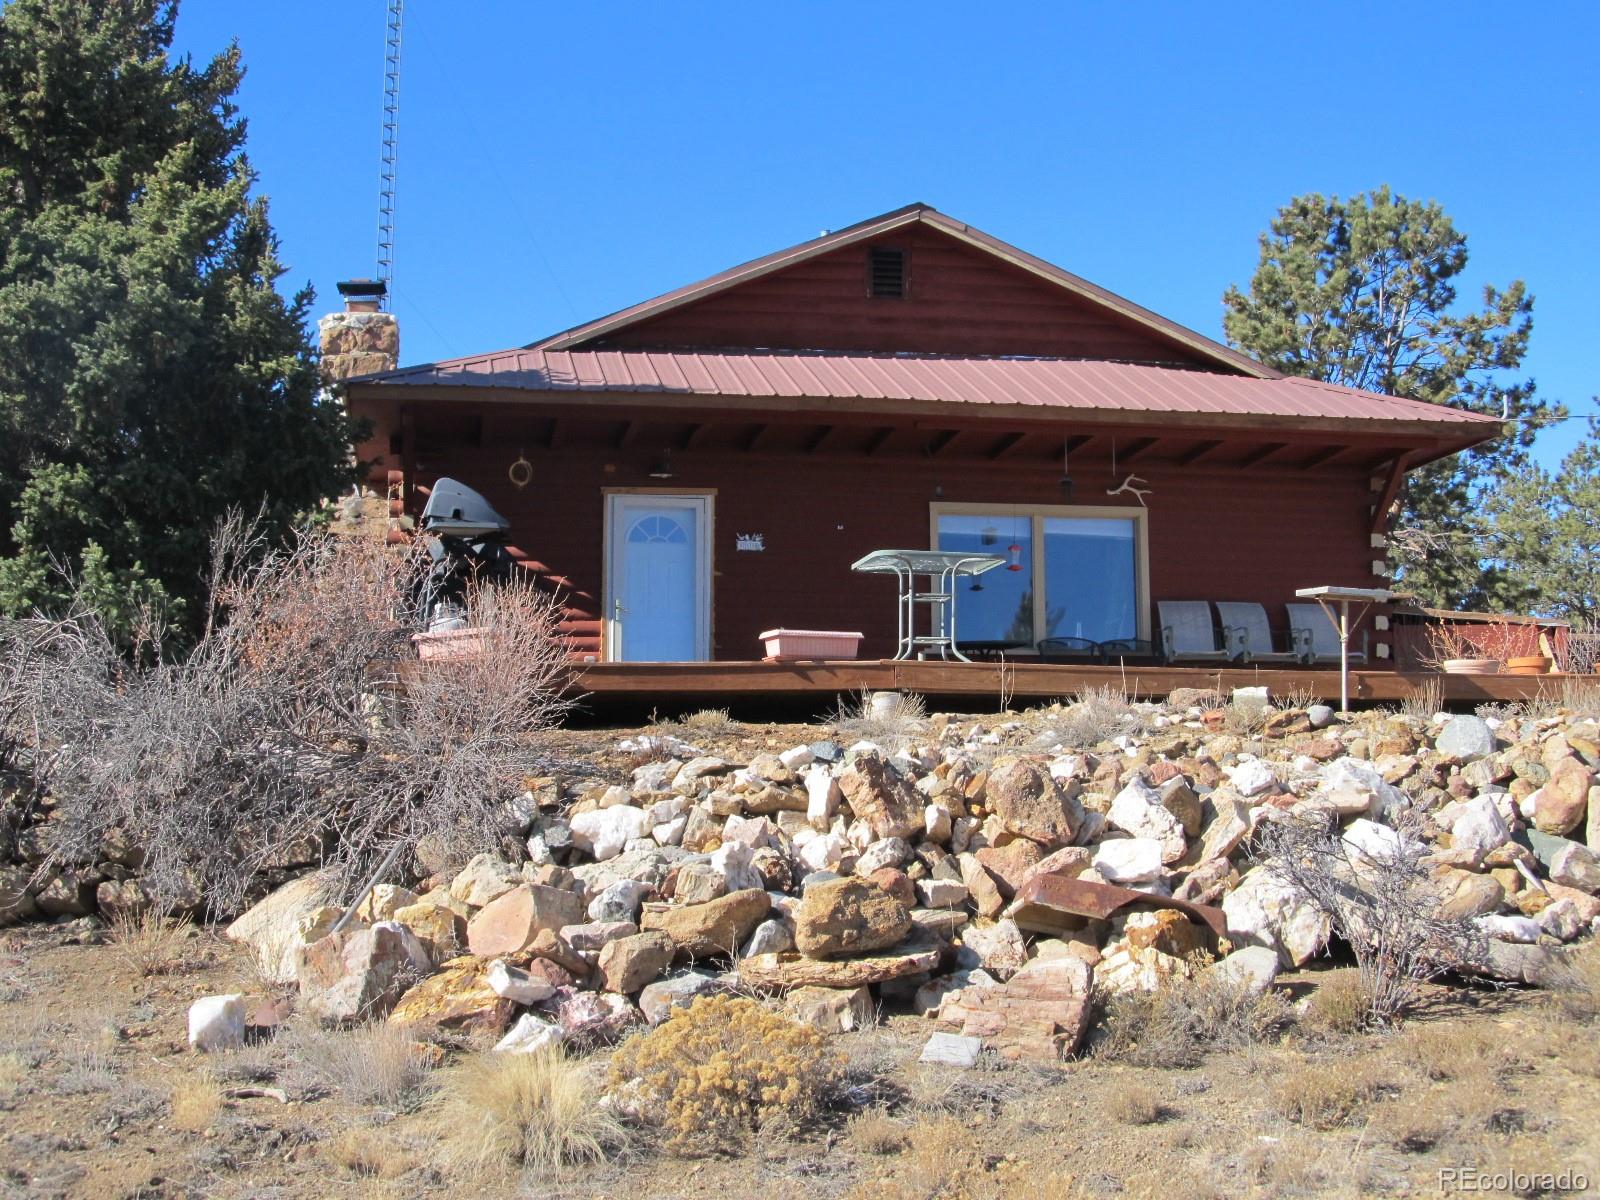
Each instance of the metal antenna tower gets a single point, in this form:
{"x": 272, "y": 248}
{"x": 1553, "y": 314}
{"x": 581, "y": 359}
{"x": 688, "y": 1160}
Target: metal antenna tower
{"x": 391, "y": 146}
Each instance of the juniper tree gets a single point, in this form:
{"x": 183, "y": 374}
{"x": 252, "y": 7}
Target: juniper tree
{"x": 1363, "y": 292}
{"x": 151, "y": 377}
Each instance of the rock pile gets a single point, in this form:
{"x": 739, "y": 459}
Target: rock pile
{"x": 986, "y": 877}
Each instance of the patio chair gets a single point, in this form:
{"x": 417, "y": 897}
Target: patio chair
{"x": 1319, "y": 639}
{"x": 1187, "y": 632}
{"x": 1250, "y": 620}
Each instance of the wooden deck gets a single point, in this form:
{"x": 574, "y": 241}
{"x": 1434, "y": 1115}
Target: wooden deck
{"x": 1024, "y": 681}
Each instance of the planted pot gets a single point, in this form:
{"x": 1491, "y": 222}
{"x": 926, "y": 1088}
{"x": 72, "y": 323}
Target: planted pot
{"x": 1529, "y": 664}
{"x": 449, "y": 643}
{"x": 1472, "y": 666}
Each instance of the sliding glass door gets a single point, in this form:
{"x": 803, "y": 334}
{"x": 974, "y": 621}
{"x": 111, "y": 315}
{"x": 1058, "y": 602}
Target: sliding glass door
{"x": 1070, "y": 572}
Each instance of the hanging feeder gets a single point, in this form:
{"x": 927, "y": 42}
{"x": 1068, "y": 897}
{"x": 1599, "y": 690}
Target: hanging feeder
{"x": 1014, "y": 555}
{"x": 989, "y": 536}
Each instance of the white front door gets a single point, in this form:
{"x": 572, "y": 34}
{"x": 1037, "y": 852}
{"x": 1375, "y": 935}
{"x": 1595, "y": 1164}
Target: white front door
{"x": 658, "y": 578}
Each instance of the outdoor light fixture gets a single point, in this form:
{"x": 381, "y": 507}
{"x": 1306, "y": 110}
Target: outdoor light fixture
{"x": 662, "y": 469}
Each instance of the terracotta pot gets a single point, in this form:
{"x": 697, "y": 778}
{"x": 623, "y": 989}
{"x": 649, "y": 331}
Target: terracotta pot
{"x": 1529, "y": 664}
{"x": 1471, "y": 666}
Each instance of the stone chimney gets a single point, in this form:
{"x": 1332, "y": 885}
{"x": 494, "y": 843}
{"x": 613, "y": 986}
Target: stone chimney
{"x": 362, "y": 339}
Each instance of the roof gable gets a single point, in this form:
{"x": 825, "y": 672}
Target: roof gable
{"x": 967, "y": 293}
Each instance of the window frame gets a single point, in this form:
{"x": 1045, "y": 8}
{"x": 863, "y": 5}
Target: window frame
{"x": 1036, "y": 515}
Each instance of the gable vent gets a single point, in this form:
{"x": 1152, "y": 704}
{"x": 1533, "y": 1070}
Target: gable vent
{"x": 886, "y": 273}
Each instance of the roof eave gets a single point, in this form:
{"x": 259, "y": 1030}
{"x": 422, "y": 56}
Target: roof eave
{"x": 1432, "y": 439}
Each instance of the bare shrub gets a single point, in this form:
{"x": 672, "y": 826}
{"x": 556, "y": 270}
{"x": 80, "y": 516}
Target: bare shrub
{"x": 1178, "y": 1023}
{"x": 713, "y": 1074}
{"x": 1582, "y": 649}
{"x": 893, "y": 726}
{"x": 503, "y": 1111}
{"x": 1379, "y": 899}
{"x": 196, "y": 1103}
{"x": 291, "y": 733}
{"x": 373, "y": 1064}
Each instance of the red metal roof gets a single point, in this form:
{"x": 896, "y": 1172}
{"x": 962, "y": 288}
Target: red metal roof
{"x": 1066, "y": 384}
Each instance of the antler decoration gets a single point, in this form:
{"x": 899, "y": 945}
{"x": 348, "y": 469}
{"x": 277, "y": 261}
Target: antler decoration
{"x": 1127, "y": 485}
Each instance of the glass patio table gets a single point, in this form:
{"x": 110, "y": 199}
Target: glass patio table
{"x": 940, "y": 568}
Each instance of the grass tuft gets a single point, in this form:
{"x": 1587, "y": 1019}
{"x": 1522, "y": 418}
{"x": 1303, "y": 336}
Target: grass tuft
{"x": 504, "y": 1111}
{"x": 196, "y": 1103}
{"x": 371, "y": 1064}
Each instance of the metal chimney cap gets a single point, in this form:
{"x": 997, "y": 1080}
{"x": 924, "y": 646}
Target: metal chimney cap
{"x": 363, "y": 288}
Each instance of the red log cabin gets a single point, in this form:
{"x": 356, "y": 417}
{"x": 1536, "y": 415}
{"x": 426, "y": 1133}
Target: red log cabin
{"x": 702, "y": 467}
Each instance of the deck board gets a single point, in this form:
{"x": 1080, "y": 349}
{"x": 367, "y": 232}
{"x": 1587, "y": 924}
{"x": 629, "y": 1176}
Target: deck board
{"x": 1031, "y": 681}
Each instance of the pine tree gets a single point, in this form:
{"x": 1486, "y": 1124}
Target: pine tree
{"x": 1547, "y": 533}
{"x": 1362, "y": 292}
{"x": 151, "y": 377}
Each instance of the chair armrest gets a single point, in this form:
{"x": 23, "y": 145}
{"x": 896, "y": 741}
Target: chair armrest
{"x": 1302, "y": 642}
{"x": 1236, "y": 642}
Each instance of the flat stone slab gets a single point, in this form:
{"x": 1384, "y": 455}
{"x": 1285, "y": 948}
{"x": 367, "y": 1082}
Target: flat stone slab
{"x": 793, "y": 970}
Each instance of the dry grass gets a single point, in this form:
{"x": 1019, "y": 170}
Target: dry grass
{"x": 196, "y": 1103}
{"x": 857, "y": 719}
{"x": 14, "y": 1071}
{"x": 368, "y": 1154}
{"x": 504, "y": 1111}
{"x": 1341, "y": 1003}
{"x": 1295, "y": 699}
{"x": 1578, "y": 996}
{"x": 712, "y": 722}
{"x": 151, "y": 944}
{"x": 1178, "y": 1024}
{"x": 1424, "y": 701}
{"x": 1135, "y": 1104}
{"x": 1094, "y": 715}
{"x": 371, "y": 1064}
{"x": 1328, "y": 1093}
{"x": 873, "y": 1131}
{"x": 1457, "y": 1050}
{"x": 1245, "y": 718}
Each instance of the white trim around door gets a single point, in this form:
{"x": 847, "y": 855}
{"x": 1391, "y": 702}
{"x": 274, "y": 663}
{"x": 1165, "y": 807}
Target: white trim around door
{"x": 657, "y": 576}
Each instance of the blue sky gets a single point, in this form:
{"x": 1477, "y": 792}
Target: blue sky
{"x": 559, "y": 161}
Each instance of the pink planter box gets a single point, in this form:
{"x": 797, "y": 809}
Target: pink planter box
{"x": 795, "y": 645}
{"x": 453, "y": 643}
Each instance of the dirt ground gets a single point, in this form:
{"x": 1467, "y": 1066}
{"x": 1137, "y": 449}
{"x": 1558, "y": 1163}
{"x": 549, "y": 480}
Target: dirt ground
{"x": 101, "y": 1097}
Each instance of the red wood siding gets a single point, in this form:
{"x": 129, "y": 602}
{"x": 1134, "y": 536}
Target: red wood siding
{"x": 960, "y": 301}
{"x": 1216, "y": 533}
